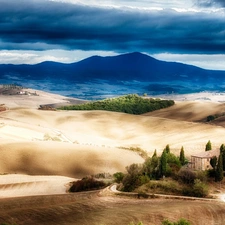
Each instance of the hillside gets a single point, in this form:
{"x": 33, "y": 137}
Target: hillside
{"x": 99, "y": 133}
{"x": 107, "y": 130}
{"x": 42, "y": 151}
{"x": 192, "y": 111}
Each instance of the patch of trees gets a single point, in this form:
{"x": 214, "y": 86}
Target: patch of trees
{"x": 131, "y": 104}
{"x": 218, "y": 165}
{"x": 213, "y": 117}
{"x": 164, "y": 174}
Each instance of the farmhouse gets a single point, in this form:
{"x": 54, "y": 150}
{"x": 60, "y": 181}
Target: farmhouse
{"x": 201, "y": 161}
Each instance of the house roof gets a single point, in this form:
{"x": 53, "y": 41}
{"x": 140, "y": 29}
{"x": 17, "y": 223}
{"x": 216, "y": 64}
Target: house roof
{"x": 207, "y": 154}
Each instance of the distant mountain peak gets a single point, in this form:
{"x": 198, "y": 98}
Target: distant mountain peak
{"x": 121, "y": 69}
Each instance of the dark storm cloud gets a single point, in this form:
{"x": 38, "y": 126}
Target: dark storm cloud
{"x": 44, "y": 25}
{"x": 210, "y": 3}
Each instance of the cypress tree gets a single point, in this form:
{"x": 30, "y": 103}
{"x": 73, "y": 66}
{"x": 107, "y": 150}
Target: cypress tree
{"x": 219, "y": 169}
{"x": 182, "y": 157}
{"x": 222, "y": 148}
{"x": 167, "y": 149}
{"x": 155, "y": 166}
{"x": 222, "y": 151}
{"x": 155, "y": 154}
{"x": 213, "y": 162}
{"x": 163, "y": 162}
{"x": 223, "y": 156}
{"x": 208, "y": 146}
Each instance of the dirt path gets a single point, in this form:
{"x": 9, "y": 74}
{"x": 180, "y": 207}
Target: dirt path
{"x": 216, "y": 198}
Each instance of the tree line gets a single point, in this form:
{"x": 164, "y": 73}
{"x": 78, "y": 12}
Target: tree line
{"x": 131, "y": 104}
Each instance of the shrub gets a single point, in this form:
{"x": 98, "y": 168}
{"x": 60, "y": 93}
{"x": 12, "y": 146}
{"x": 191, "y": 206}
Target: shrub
{"x": 142, "y": 194}
{"x": 202, "y": 176}
{"x": 139, "y": 223}
{"x": 179, "y": 222}
{"x": 143, "y": 179}
{"x": 186, "y": 176}
{"x": 86, "y": 184}
{"x": 210, "y": 118}
{"x": 134, "y": 178}
{"x": 118, "y": 177}
{"x": 211, "y": 173}
{"x": 200, "y": 189}
{"x": 132, "y": 181}
{"x": 166, "y": 187}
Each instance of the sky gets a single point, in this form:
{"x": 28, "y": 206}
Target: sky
{"x": 190, "y": 31}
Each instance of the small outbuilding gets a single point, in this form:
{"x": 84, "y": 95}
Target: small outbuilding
{"x": 201, "y": 161}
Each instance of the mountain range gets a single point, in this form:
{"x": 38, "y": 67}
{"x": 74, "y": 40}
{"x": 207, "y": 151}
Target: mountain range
{"x": 112, "y": 75}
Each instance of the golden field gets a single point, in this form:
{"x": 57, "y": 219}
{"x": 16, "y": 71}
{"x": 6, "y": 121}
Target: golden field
{"x": 42, "y": 151}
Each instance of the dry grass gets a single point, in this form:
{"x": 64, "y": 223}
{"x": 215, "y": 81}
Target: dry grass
{"x": 76, "y": 144}
{"x": 190, "y": 110}
{"x": 109, "y": 129}
{"x": 58, "y": 158}
{"x": 90, "y": 208}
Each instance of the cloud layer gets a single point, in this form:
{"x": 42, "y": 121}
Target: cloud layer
{"x": 210, "y": 3}
{"x": 44, "y": 25}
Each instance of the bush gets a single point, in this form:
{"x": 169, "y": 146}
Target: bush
{"x": 202, "y": 176}
{"x": 139, "y": 223}
{"x": 180, "y": 222}
{"x": 174, "y": 163}
{"x": 211, "y": 173}
{"x": 211, "y": 117}
{"x": 200, "y": 189}
{"x": 186, "y": 176}
{"x": 86, "y": 184}
{"x": 118, "y": 177}
{"x": 142, "y": 194}
{"x": 134, "y": 178}
{"x": 132, "y": 181}
{"x": 164, "y": 187}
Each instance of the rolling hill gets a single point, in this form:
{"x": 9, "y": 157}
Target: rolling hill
{"x": 42, "y": 151}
